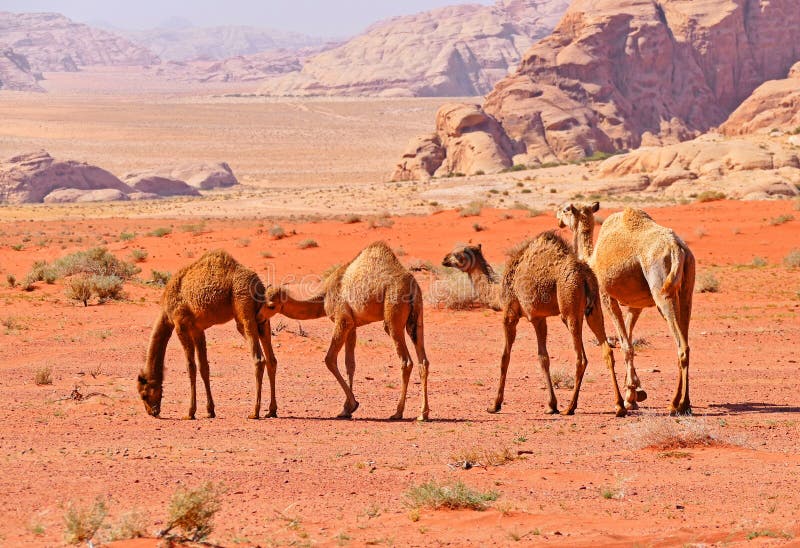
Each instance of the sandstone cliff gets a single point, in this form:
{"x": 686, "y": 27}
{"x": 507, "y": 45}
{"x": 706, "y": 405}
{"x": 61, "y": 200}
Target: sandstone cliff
{"x": 454, "y": 51}
{"x": 619, "y": 74}
{"x": 54, "y": 43}
{"x": 16, "y": 73}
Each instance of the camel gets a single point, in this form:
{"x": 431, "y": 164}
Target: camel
{"x": 373, "y": 287}
{"x": 543, "y": 278}
{"x": 638, "y": 264}
{"x": 211, "y": 291}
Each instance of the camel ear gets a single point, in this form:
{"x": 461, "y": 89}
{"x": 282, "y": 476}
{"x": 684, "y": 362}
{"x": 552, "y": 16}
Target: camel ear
{"x": 141, "y": 379}
{"x": 595, "y": 206}
{"x": 479, "y": 247}
{"x": 572, "y": 209}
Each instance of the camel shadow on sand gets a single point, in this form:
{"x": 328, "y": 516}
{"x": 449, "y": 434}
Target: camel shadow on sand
{"x": 753, "y": 407}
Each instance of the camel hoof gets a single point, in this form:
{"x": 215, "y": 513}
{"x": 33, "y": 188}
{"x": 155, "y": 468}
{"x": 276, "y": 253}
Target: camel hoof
{"x": 631, "y": 405}
{"x": 551, "y": 411}
{"x": 272, "y": 415}
{"x": 422, "y": 418}
{"x": 641, "y": 395}
{"x": 396, "y": 417}
{"x": 212, "y": 415}
{"x": 687, "y": 411}
{"x": 344, "y": 415}
{"x": 188, "y": 418}
{"x": 495, "y": 409}
{"x": 568, "y": 412}
{"x": 621, "y": 411}
{"x": 253, "y": 416}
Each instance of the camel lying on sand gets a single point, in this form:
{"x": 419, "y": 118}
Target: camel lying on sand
{"x": 373, "y": 287}
{"x": 543, "y": 278}
{"x": 213, "y": 290}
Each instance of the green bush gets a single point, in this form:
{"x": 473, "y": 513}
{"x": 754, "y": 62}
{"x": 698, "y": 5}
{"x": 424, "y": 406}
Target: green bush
{"x": 453, "y": 496}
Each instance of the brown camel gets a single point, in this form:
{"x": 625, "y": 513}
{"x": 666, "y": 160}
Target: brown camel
{"x": 373, "y": 287}
{"x": 639, "y": 264}
{"x": 544, "y": 278}
{"x": 212, "y": 290}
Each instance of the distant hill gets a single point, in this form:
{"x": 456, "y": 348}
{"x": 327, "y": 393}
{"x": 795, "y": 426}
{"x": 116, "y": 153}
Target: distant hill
{"x": 177, "y": 40}
{"x": 15, "y": 71}
{"x": 53, "y": 43}
{"x": 453, "y": 51}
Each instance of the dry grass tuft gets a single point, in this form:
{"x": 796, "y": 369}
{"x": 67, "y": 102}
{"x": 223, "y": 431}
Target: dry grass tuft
{"x": 131, "y": 524}
{"x": 707, "y": 283}
{"x": 81, "y": 524}
{"x": 192, "y": 511}
{"x": 454, "y": 496}
{"x": 473, "y": 209}
{"x": 562, "y": 378}
{"x": 792, "y": 260}
{"x": 43, "y": 376}
{"x": 670, "y": 433}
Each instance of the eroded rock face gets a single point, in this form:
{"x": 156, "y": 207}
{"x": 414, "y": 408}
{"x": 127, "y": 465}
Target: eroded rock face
{"x": 618, "y": 75}
{"x": 52, "y": 42}
{"x": 773, "y": 105}
{"x": 73, "y": 195}
{"x": 161, "y": 186}
{"x": 459, "y": 50}
{"x": 28, "y": 178}
{"x": 16, "y": 73}
{"x": 199, "y": 176}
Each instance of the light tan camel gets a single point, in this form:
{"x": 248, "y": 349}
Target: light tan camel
{"x": 544, "y": 278}
{"x": 373, "y": 287}
{"x": 639, "y": 264}
{"x": 213, "y": 290}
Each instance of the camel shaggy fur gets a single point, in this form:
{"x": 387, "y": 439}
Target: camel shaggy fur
{"x": 639, "y": 264}
{"x": 373, "y": 287}
{"x": 543, "y": 278}
{"x": 213, "y": 290}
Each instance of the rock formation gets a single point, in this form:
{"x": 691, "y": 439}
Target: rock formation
{"x": 198, "y": 176}
{"x": 618, "y": 75}
{"x": 162, "y": 186}
{"x": 54, "y": 43}
{"x": 453, "y": 51}
{"x": 773, "y": 105}
{"x": 16, "y": 73}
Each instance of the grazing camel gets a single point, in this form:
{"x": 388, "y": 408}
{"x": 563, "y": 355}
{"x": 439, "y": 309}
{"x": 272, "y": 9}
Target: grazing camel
{"x": 544, "y": 278}
{"x": 373, "y": 287}
{"x": 639, "y": 264}
{"x": 212, "y": 290}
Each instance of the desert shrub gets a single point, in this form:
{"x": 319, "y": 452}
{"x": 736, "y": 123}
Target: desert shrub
{"x": 666, "y": 433}
{"x": 351, "y": 219}
{"x": 307, "y": 243}
{"x": 267, "y": 255}
{"x": 160, "y": 232}
{"x": 382, "y": 221}
{"x": 96, "y": 261}
{"x": 43, "y": 376}
{"x": 758, "y": 262}
{"x": 138, "y": 255}
{"x": 710, "y": 196}
{"x": 781, "y": 219}
{"x": 792, "y": 260}
{"x": 194, "y": 228}
{"x": 160, "y": 278}
{"x": 516, "y": 167}
{"x": 79, "y": 288}
{"x": 82, "y": 523}
{"x": 707, "y": 283}
{"x": 277, "y": 232}
{"x": 453, "y": 291}
{"x": 127, "y": 236}
{"x": 28, "y": 283}
{"x": 193, "y": 510}
{"x": 11, "y": 280}
{"x": 106, "y": 287}
{"x": 42, "y": 272}
{"x": 132, "y": 524}
{"x": 561, "y": 378}
{"x": 453, "y": 496}
{"x": 484, "y": 457}
{"x": 473, "y": 209}
{"x": 477, "y": 227}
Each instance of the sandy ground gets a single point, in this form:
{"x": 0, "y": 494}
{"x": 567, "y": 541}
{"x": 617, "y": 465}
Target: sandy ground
{"x": 307, "y": 479}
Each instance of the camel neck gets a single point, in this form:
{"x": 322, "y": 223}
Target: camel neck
{"x": 307, "y": 309}
{"x": 488, "y": 290}
{"x": 582, "y": 240}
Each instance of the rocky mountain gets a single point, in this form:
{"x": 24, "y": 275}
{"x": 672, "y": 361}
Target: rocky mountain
{"x": 16, "y": 73}
{"x": 54, "y": 43}
{"x": 773, "y": 105}
{"x": 453, "y": 51}
{"x": 617, "y": 75}
{"x": 185, "y": 42}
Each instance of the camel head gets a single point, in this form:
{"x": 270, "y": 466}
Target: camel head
{"x": 570, "y": 215}
{"x": 151, "y": 393}
{"x": 274, "y": 299}
{"x": 464, "y": 257}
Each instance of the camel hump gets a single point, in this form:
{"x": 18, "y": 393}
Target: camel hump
{"x": 636, "y": 219}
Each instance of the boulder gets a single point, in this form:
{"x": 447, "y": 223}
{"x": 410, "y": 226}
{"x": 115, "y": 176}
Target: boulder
{"x": 28, "y": 178}
{"x": 74, "y": 195}
{"x": 161, "y": 186}
{"x": 202, "y": 176}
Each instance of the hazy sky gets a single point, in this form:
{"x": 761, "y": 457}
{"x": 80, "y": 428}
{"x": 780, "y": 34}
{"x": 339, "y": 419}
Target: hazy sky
{"x": 327, "y": 18}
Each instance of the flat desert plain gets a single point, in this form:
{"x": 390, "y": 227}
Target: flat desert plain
{"x": 727, "y": 475}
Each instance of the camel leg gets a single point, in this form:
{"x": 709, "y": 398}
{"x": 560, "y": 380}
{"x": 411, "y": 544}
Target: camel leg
{"x": 188, "y": 348}
{"x": 575, "y": 327}
{"x": 422, "y": 358}
{"x": 265, "y": 335}
{"x": 202, "y": 358}
{"x": 510, "y": 321}
{"x": 350, "y": 357}
{"x": 595, "y": 323}
{"x": 395, "y": 327}
{"x": 670, "y": 309}
{"x": 341, "y": 330}
{"x": 631, "y": 317}
{"x": 540, "y": 325}
{"x": 631, "y": 378}
{"x": 252, "y": 335}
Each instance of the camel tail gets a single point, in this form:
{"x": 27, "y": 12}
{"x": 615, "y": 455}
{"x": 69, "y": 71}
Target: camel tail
{"x": 675, "y": 276}
{"x": 415, "y": 305}
{"x": 162, "y": 331}
{"x": 590, "y": 287}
